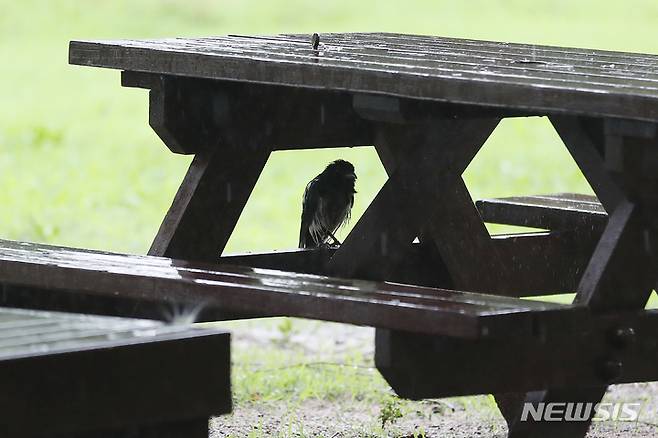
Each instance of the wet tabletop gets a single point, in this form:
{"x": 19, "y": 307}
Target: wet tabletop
{"x": 493, "y": 74}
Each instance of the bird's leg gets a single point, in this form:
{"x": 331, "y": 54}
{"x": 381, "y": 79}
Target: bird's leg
{"x": 336, "y": 242}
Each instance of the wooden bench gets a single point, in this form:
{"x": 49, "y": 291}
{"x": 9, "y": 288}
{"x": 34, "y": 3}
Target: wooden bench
{"x": 157, "y": 287}
{"x": 65, "y": 375}
{"x": 481, "y": 343}
{"x": 556, "y": 212}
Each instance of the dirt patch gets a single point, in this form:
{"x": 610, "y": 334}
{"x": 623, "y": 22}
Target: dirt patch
{"x": 317, "y": 418}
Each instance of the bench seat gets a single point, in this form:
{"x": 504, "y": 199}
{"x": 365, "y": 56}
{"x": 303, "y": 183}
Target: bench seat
{"x": 33, "y": 272}
{"x": 561, "y": 211}
{"x": 68, "y": 375}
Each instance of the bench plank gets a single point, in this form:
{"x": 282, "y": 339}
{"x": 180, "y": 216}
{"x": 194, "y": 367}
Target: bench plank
{"x": 503, "y": 75}
{"x": 77, "y": 375}
{"x": 562, "y": 211}
{"x": 419, "y": 367}
{"x": 539, "y": 263}
{"x": 165, "y": 281}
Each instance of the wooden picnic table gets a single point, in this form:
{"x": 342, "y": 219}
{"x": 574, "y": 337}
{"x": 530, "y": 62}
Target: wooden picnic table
{"x": 427, "y": 104}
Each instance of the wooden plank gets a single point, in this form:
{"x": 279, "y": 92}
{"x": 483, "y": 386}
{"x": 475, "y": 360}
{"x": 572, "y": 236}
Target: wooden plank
{"x": 81, "y": 301}
{"x": 374, "y": 55}
{"x": 240, "y": 289}
{"x": 208, "y": 204}
{"x": 541, "y": 263}
{"x": 418, "y": 266}
{"x": 410, "y": 42}
{"x": 182, "y": 114}
{"x": 192, "y": 116}
{"x": 393, "y": 109}
{"x": 595, "y": 83}
{"x": 304, "y": 261}
{"x": 77, "y": 375}
{"x": 550, "y": 212}
{"x": 538, "y": 264}
{"x": 414, "y": 263}
{"x": 544, "y": 263}
{"x": 619, "y": 264}
{"x": 583, "y": 137}
{"x": 472, "y": 259}
{"x": 571, "y": 355}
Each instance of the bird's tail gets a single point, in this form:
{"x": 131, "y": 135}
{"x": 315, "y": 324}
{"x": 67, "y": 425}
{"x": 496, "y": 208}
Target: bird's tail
{"x": 305, "y": 238}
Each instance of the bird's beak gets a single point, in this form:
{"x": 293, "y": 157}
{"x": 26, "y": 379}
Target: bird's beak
{"x": 351, "y": 176}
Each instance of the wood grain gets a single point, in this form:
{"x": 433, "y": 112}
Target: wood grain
{"x": 195, "y": 286}
{"x": 502, "y": 75}
{"x": 66, "y": 375}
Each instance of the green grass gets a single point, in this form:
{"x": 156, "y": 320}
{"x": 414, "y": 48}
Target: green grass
{"x": 288, "y": 371}
{"x": 274, "y": 374}
{"x": 80, "y": 166}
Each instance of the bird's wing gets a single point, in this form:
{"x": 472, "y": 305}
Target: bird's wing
{"x": 348, "y": 212}
{"x": 309, "y": 207}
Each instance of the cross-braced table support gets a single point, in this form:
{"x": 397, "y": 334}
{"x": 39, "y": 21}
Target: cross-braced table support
{"x": 620, "y": 157}
{"x": 233, "y": 128}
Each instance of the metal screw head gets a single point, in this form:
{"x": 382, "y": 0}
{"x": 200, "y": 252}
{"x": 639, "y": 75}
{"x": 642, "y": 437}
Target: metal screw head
{"x": 623, "y": 337}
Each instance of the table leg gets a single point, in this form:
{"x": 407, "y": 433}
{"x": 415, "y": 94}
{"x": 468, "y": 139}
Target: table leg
{"x": 617, "y": 266}
{"x": 457, "y": 235}
{"x": 208, "y": 203}
{"x": 619, "y": 277}
{"x": 391, "y": 151}
{"x": 584, "y": 139}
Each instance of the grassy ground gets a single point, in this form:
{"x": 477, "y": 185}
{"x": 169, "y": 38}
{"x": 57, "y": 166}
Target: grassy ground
{"x": 79, "y": 165}
{"x": 303, "y": 378}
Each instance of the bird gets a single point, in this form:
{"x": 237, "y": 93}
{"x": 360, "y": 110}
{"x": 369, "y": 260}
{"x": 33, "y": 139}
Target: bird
{"x": 327, "y": 205}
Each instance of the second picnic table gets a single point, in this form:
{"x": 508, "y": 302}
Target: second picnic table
{"x": 428, "y": 104}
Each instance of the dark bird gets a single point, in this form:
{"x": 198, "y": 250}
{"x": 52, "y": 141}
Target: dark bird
{"x": 327, "y": 204}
